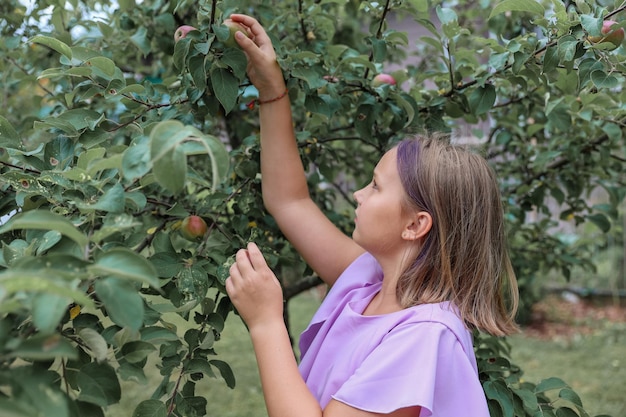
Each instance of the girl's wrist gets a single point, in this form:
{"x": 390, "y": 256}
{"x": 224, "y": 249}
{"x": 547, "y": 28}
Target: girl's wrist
{"x": 269, "y": 97}
{"x": 265, "y": 326}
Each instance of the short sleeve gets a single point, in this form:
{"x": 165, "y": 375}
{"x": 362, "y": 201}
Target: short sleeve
{"x": 417, "y": 364}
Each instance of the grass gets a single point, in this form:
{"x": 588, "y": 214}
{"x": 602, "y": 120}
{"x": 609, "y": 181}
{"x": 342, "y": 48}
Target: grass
{"x": 584, "y": 345}
{"x": 593, "y": 363}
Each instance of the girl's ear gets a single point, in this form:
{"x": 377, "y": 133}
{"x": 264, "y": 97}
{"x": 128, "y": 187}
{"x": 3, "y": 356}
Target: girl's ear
{"x": 419, "y": 226}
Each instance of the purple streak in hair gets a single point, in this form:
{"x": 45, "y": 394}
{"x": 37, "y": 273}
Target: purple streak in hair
{"x": 407, "y": 160}
{"x": 408, "y": 155}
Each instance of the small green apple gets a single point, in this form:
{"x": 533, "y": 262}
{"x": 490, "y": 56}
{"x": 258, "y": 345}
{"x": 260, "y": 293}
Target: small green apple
{"x": 234, "y": 27}
{"x": 182, "y": 32}
{"x": 193, "y": 228}
{"x": 614, "y": 36}
{"x": 383, "y": 78}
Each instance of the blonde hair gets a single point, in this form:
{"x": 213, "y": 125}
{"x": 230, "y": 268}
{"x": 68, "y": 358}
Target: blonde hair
{"x": 464, "y": 258}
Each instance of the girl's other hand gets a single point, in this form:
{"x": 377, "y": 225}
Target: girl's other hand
{"x": 254, "y": 289}
{"x": 263, "y": 69}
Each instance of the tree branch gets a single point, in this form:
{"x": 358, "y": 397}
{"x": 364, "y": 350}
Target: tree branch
{"x": 379, "y": 33}
{"x": 301, "y": 285}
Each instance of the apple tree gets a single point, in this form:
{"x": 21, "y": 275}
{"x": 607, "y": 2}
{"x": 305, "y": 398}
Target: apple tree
{"x": 129, "y": 161}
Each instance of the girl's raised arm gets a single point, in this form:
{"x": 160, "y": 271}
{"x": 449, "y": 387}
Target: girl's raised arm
{"x": 285, "y": 192}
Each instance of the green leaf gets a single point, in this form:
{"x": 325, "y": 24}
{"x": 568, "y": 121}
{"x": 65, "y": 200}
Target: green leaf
{"x": 571, "y": 396}
{"x": 125, "y": 264}
{"x": 566, "y": 48}
{"x": 549, "y": 384}
{"x": 16, "y": 280}
{"x": 12, "y": 408}
{"x": 226, "y": 88}
{"x": 199, "y": 365}
{"x": 90, "y": 155}
{"x": 95, "y": 342}
{"x": 137, "y": 351}
{"x": 566, "y": 412}
{"x": 111, "y": 201}
{"x": 379, "y": 49}
{"x": 529, "y": 6}
{"x": 131, "y": 372}
{"x": 167, "y": 264}
{"x": 48, "y": 310}
{"x": 53, "y": 43}
{"x": 114, "y": 223}
{"x": 38, "y": 388}
{"x": 316, "y": 104}
{"x": 603, "y": 80}
{"x": 8, "y": 136}
{"x": 482, "y": 99}
{"x": 312, "y": 77}
{"x": 44, "y": 347}
{"x": 47, "y": 241}
{"x": 45, "y": 220}
{"x": 98, "y": 384}
{"x": 225, "y": 371}
{"x": 446, "y": 15}
{"x": 169, "y": 163}
{"x": 123, "y": 303}
{"x": 136, "y": 160}
{"x": 498, "y": 391}
{"x": 181, "y": 50}
{"x": 157, "y": 335}
{"x": 528, "y": 398}
{"x": 198, "y": 71}
{"x": 150, "y": 408}
{"x": 401, "y": 100}
{"x": 141, "y": 41}
{"x": 601, "y": 221}
{"x": 72, "y": 121}
{"x": 550, "y": 59}
{"x": 236, "y": 60}
{"x": 169, "y": 157}
{"x": 104, "y": 64}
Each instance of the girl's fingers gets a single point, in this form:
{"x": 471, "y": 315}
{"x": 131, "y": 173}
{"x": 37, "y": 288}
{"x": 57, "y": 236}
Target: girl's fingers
{"x": 257, "y": 259}
{"x": 258, "y": 35}
{"x": 255, "y": 27}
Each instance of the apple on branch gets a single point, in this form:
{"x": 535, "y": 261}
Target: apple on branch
{"x": 614, "y": 36}
{"x": 182, "y": 32}
{"x": 382, "y": 78}
{"x": 193, "y": 228}
{"x": 234, "y": 27}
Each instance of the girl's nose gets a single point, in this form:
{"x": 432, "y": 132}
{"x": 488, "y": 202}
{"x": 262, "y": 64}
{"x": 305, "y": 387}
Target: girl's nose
{"x": 356, "y": 195}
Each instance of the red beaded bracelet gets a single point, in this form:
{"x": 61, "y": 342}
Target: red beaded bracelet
{"x": 254, "y": 102}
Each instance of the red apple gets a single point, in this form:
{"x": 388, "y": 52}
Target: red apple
{"x": 614, "y": 36}
{"x": 234, "y": 27}
{"x": 193, "y": 228}
{"x": 383, "y": 78}
{"x": 182, "y": 31}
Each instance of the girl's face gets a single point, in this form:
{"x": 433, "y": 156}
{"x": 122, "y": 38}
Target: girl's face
{"x": 380, "y": 219}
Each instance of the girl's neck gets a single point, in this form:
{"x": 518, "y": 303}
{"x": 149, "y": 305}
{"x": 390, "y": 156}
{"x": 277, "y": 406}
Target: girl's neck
{"x": 382, "y": 303}
{"x": 386, "y": 300}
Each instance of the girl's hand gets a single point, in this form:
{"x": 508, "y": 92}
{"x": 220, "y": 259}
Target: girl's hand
{"x": 263, "y": 69}
{"x": 254, "y": 289}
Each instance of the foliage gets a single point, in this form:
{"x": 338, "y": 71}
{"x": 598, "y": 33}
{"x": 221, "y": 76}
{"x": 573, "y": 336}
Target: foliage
{"x": 111, "y": 134}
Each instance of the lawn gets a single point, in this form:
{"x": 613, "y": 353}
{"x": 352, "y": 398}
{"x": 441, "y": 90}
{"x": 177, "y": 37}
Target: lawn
{"x": 588, "y": 353}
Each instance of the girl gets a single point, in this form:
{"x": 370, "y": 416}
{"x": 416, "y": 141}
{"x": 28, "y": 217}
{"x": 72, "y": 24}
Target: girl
{"x": 426, "y": 263}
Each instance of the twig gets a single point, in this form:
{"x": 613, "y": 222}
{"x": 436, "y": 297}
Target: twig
{"x": 379, "y": 33}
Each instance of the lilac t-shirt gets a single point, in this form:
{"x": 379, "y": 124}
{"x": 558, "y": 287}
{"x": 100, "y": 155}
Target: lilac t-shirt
{"x": 419, "y": 356}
